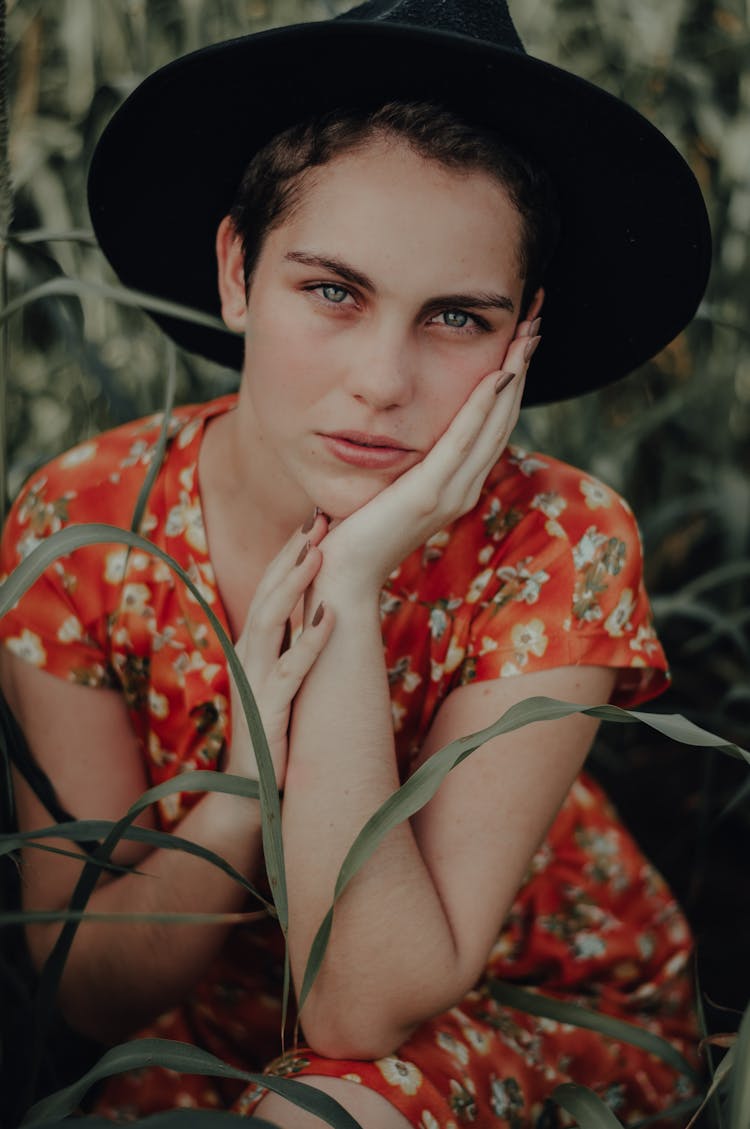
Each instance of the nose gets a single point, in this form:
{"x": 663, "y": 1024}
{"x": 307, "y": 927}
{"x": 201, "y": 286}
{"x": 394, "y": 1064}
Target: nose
{"x": 382, "y": 373}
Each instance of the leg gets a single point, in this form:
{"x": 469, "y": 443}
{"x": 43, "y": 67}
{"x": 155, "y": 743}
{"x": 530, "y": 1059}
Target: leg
{"x": 369, "y": 1108}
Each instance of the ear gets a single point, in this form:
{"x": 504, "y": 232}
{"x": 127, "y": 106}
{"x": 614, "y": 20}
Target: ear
{"x": 535, "y": 305}
{"x": 231, "y": 276}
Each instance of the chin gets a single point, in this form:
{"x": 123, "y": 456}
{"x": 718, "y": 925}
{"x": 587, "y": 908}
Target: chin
{"x": 341, "y": 501}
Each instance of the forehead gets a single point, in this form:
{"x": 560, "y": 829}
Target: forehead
{"x": 399, "y": 210}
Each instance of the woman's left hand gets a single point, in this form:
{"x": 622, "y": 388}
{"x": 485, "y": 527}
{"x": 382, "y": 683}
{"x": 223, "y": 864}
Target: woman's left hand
{"x": 365, "y": 547}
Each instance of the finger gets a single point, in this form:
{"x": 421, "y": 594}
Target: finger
{"x": 293, "y": 666}
{"x": 264, "y": 632}
{"x": 311, "y": 532}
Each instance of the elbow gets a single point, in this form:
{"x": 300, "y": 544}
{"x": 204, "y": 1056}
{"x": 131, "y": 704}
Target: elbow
{"x": 359, "y": 1037}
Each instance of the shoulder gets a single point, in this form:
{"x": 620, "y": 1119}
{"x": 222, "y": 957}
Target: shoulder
{"x": 97, "y": 480}
{"x": 570, "y": 502}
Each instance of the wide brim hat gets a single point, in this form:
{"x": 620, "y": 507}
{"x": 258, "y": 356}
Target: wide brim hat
{"x": 634, "y": 253}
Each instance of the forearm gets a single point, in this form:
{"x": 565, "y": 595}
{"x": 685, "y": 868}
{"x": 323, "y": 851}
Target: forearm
{"x": 123, "y": 974}
{"x": 391, "y": 945}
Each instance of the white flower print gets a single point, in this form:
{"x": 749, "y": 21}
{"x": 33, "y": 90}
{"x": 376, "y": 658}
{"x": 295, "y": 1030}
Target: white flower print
{"x": 478, "y": 585}
{"x": 479, "y": 1041}
{"x": 158, "y": 704}
{"x": 454, "y": 657}
{"x": 484, "y": 556}
{"x": 554, "y": 528}
{"x": 427, "y": 1121}
{"x": 525, "y": 586}
{"x": 529, "y": 638}
{"x": 186, "y": 518}
{"x": 187, "y": 433}
{"x": 586, "y": 945}
{"x": 448, "y": 1043}
{"x": 28, "y": 647}
{"x": 80, "y": 454}
{"x": 527, "y": 464}
{"x": 595, "y": 493}
{"x": 645, "y": 640}
{"x": 437, "y": 670}
{"x": 508, "y": 670}
{"x": 398, "y": 713}
{"x": 141, "y": 451}
{"x": 70, "y": 630}
{"x": 488, "y": 644}
{"x": 114, "y": 566}
{"x": 585, "y": 551}
{"x": 135, "y": 598}
{"x": 27, "y": 544}
{"x": 396, "y": 1072}
{"x": 438, "y": 622}
{"x": 550, "y": 504}
{"x": 618, "y": 620}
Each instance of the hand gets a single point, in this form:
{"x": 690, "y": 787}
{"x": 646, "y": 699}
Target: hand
{"x": 365, "y": 547}
{"x": 275, "y": 668}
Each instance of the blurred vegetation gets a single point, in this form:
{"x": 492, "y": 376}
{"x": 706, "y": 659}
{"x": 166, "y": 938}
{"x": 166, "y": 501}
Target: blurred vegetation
{"x": 673, "y": 437}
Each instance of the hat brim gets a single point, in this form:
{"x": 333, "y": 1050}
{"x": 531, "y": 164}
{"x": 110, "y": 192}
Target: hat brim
{"x": 635, "y": 249}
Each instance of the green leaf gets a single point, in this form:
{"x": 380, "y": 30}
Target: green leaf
{"x": 588, "y": 1109}
{"x": 720, "y": 1078}
{"x": 422, "y": 786}
{"x": 739, "y": 1100}
{"x": 64, "y": 287}
{"x": 535, "y": 1003}
{"x": 182, "y": 1057}
{"x": 74, "y": 537}
{"x": 89, "y": 830}
{"x": 161, "y": 443}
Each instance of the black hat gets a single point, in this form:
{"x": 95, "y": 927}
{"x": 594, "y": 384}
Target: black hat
{"x": 634, "y": 254}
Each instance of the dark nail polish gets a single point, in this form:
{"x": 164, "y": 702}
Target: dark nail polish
{"x": 530, "y": 349}
{"x": 303, "y": 553}
{"x": 503, "y": 381}
{"x": 318, "y": 614}
{"x": 535, "y": 326}
{"x": 310, "y": 521}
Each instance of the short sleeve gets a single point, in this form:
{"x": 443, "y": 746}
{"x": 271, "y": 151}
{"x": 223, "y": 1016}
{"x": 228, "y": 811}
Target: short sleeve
{"x": 565, "y": 587}
{"x": 58, "y": 625}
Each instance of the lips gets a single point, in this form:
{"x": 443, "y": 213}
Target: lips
{"x": 365, "y": 450}
{"x": 364, "y": 439}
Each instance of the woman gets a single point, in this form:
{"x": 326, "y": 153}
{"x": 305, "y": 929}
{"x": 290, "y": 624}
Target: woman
{"x": 394, "y": 575}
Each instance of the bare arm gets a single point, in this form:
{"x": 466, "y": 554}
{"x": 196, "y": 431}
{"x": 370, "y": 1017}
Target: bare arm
{"x": 412, "y": 931}
{"x": 121, "y": 975}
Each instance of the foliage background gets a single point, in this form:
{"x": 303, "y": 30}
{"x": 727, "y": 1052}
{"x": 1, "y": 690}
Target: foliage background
{"x": 673, "y": 437}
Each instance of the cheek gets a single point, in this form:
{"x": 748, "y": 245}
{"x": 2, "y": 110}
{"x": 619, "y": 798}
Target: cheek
{"x": 453, "y": 374}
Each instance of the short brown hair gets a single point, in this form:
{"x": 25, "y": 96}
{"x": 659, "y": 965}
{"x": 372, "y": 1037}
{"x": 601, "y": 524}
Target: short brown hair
{"x": 274, "y": 178}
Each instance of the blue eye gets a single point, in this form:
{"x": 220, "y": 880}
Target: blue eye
{"x": 456, "y": 319}
{"x": 335, "y": 294}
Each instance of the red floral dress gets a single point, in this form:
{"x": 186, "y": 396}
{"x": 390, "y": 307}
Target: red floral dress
{"x": 544, "y": 572}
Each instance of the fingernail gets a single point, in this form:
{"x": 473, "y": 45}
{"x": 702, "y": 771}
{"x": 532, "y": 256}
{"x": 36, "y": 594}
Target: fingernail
{"x": 303, "y": 554}
{"x": 318, "y": 614}
{"x": 528, "y": 352}
{"x": 535, "y": 326}
{"x": 310, "y": 521}
{"x": 503, "y": 381}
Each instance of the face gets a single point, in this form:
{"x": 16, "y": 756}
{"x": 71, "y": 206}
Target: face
{"x": 374, "y": 310}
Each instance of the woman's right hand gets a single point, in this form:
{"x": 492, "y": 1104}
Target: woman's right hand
{"x": 275, "y": 666}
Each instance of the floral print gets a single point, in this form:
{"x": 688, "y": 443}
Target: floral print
{"x": 544, "y": 572}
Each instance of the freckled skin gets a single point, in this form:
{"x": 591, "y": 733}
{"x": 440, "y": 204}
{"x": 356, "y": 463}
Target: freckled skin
{"x": 337, "y": 357}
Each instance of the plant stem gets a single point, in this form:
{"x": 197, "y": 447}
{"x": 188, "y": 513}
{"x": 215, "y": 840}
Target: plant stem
{"x": 6, "y": 211}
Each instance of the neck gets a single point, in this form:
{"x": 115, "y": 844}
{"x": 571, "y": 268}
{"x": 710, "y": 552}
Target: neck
{"x": 245, "y": 490}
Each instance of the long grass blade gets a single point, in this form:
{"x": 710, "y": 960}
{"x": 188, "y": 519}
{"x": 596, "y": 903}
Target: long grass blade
{"x": 66, "y": 287}
{"x": 739, "y": 1101}
{"x": 535, "y": 1003}
{"x": 60, "y": 544}
{"x": 422, "y": 786}
{"x": 161, "y": 442}
{"x": 185, "y": 1059}
{"x": 88, "y": 830}
{"x": 587, "y": 1107}
{"x": 721, "y": 1076}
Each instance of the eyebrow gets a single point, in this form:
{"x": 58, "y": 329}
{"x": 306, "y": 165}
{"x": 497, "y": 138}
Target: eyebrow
{"x": 484, "y": 300}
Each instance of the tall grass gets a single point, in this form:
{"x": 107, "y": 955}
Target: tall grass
{"x": 673, "y": 437}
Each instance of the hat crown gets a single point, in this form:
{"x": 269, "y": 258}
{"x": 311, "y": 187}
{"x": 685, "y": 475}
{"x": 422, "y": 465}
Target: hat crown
{"x": 488, "y": 20}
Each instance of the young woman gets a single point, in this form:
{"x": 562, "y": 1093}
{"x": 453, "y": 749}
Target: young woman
{"x": 394, "y": 575}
